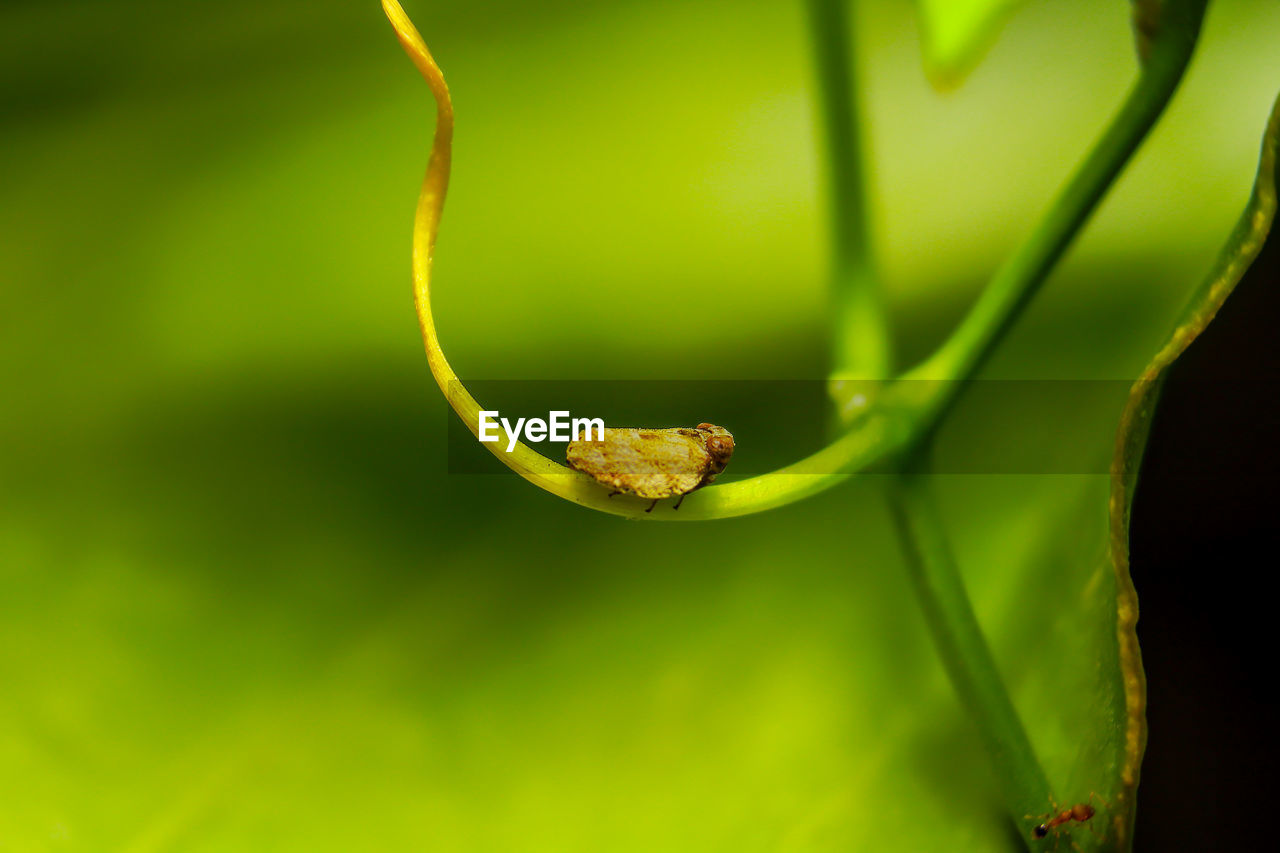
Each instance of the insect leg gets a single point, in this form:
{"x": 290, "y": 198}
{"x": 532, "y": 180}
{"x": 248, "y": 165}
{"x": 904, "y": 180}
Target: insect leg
{"x": 679, "y": 501}
{"x": 652, "y": 505}
{"x": 615, "y": 492}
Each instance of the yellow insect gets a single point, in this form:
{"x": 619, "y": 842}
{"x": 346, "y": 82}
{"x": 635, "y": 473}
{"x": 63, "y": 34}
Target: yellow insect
{"x": 654, "y": 463}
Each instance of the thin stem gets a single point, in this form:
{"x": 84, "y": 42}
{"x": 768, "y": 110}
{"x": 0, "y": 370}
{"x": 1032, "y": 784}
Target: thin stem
{"x": 1018, "y": 280}
{"x": 963, "y": 648}
{"x": 862, "y": 345}
{"x": 940, "y": 589}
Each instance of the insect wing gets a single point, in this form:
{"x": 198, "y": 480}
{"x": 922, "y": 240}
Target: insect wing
{"x": 651, "y": 463}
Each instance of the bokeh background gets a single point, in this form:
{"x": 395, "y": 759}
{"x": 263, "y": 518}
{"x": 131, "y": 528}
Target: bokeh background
{"x": 245, "y": 605}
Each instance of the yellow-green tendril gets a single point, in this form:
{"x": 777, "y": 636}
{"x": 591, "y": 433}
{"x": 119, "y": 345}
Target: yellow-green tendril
{"x": 904, "y": 413}
{"x": 817, "y": 472}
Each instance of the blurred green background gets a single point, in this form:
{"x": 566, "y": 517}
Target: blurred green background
{"x": 243, "y": 605}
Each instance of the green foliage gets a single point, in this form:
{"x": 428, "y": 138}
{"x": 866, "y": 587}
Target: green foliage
{"x": 244, "y": 606}
{"x": 956, "y": 32}
{"x": 1245, "y": 243}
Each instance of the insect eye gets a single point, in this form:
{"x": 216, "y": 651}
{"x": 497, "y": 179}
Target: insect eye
{"x": 720, "y": 445}
{"x": 1040, "y": 831}
{"x": 707, "y": 427}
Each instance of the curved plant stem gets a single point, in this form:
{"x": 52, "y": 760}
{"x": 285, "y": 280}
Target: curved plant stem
{"x": 531, "y": 465}
{"x": 940, "y": 589}
{"x": 1017, "y": 281}
{"x": 905, "y": 413}
{"x": 878, "y": 433}
{"x": 963, "y": 648}
{"x": 862, "y": 343}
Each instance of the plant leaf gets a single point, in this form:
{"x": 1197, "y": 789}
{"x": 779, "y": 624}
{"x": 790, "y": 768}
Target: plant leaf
{"x": 956, "y": 33}
{"x": 1243, "y": 246}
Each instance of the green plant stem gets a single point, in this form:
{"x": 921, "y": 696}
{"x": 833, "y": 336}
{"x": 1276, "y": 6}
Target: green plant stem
{"x": 963, "y": 648}
{"x": 904, "y": 414}
{"x": 862, "y": 345}
{"x": 940, "y": 589}
{"x": 1017, "y": 281}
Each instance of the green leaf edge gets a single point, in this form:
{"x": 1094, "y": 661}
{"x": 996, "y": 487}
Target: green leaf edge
{"x": 947, "y": 72}
{"x": 1241, "y": 249}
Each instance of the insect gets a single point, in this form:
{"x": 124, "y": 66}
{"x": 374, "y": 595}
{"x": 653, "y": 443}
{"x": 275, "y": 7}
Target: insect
{"x": 1080, "y": 813}
{"x": 654, "y": 463}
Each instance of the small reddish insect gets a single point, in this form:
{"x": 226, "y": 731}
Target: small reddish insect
{"x": 1080, "y": 813}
